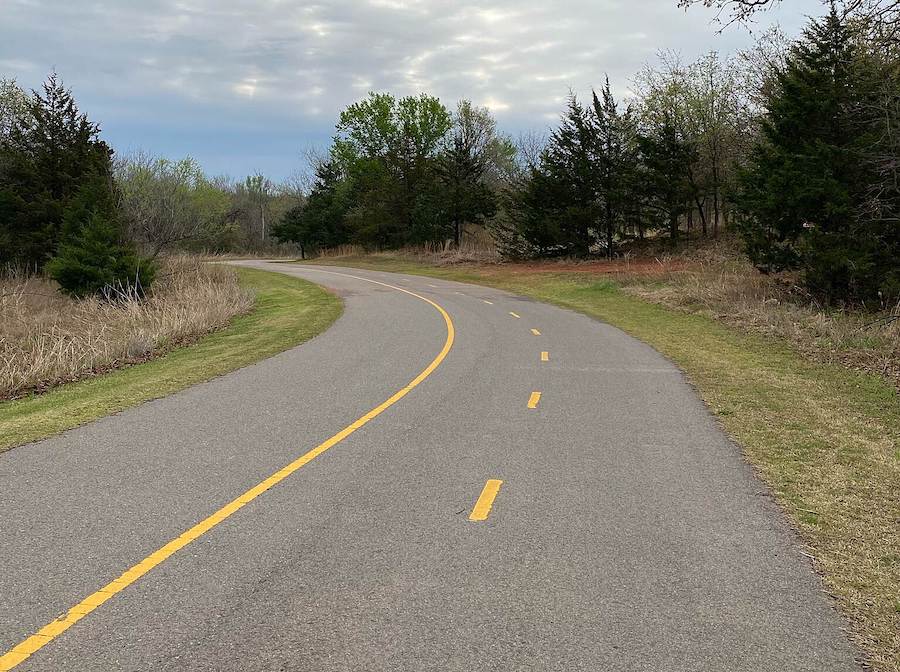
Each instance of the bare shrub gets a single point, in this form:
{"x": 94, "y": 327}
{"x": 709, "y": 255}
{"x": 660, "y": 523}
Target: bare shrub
{"x": 47, "y": 338}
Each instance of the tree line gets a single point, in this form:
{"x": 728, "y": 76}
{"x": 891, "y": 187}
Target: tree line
{"x": 403, "y": 171}
{"x": 96, "y": 222}
{"x": 792, "y": 144}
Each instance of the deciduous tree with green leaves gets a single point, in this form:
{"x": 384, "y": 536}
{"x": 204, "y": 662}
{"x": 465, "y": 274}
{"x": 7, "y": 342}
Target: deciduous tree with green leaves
{"x": 387, "y": 147}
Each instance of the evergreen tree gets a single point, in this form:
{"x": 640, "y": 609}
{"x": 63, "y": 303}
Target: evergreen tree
{"x": 296, "y": 227}
{"x": 807, "y": 182}
{"x": 665, "y": 156}
{"x": 582, "y": 189}
{"x": 616, "y": 158}
{"x": 320, "y": 221}
{"x": 96, "y": 261}
{"x": 881, "y": 215}
{"x": 533, "y": 226}
{"x": 47, "y": 155}
{"x": 462, "y": 167}
{"x": 571, "y": 166}
{"x": 555, "y": 210}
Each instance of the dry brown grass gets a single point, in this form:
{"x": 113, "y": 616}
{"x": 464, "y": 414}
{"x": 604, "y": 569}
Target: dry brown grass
{"x": 47, "y": 338}
{"x": 711, "y": 278}
{"x": 715, "y": 280}
{"x": 477, "y": 247}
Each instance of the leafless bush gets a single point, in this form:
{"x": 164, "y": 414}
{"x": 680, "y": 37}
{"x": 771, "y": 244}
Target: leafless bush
{"x": 47, "y": 338}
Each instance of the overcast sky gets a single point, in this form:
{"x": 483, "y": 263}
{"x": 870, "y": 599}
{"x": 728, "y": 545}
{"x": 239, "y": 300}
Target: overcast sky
{"x": 245, "y": 85}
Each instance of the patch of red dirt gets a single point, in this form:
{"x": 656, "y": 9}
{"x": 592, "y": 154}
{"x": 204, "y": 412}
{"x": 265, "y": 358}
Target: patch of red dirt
{"x": 642, "y": 267}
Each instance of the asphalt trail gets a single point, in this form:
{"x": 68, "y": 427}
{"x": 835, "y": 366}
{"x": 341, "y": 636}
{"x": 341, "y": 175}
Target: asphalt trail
{"x": 628, "y": 532}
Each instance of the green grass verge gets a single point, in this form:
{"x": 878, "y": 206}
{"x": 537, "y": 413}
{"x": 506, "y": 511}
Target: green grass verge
{"x": 825, "y": 438}
{"x": 288, "y": 311}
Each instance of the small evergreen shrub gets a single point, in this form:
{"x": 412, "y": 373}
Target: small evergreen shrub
{"x": 95, "y": 261}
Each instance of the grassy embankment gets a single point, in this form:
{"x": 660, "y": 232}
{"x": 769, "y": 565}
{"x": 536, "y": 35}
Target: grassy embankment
{"x": 287, "y": 311}
{"x": 825, "y": 437}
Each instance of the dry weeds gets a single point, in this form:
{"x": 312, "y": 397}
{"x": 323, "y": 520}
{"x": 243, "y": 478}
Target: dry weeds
{"x": 47, "y": 338}
{"x": 716, "y": 281}
{"x": 713, "y": 278}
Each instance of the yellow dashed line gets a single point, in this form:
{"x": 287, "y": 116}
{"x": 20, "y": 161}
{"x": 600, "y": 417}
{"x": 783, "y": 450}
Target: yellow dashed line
{"x": 490, "y": 303}
{"x": 514, "y": 315}
{"x": 534, "y": 399}
{"x": 545, "y": 356}
{"x": 486, "y": 500}
{"x": 535, "y": 332}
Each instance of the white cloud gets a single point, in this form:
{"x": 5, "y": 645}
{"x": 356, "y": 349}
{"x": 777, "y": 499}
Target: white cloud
{"x": 267, "y": 61}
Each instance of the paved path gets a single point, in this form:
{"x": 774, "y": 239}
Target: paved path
{"x": 628, "y": 534}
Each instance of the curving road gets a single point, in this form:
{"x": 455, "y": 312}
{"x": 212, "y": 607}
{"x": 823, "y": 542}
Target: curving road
{"x": 627, "y": 534}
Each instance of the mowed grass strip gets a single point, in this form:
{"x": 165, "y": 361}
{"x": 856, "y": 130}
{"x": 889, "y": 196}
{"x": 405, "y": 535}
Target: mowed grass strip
{"x": 287, "y": 311}
{"x": 825, "y": 438}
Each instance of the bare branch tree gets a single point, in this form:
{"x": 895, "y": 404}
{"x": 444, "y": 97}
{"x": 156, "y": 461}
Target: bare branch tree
{"x": 529, "y": 147}
{"x": 13, "y": 105}
{"x": 165, "y": 202}
{"x": 882, "y": 17}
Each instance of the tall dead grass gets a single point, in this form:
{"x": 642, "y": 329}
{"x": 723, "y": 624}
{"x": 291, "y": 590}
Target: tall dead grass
{"x": 476, "y": 246}
{"x": 47, "y": 338}
{"x": 440, "y": 254}
{"x": 717, "y": 281}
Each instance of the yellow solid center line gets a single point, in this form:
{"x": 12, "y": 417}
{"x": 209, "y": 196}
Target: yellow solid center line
{"x": 52, "y": 630}
{"x": 535, "y": 332}
{"x": 534, "y": 399}
{"x": 545, "y": 356}
{"x": 486, "y": 500}
{"x": 490, "y": 303}
{"x": 514, "y": 315}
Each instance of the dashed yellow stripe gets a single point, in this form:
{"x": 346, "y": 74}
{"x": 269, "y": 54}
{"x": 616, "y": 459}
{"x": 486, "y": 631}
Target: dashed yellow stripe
{"x": 545, "y": 356}
{"x": 535, "y": 332}
{"x": 485, "y": 500}
{"x": 534, "y": 399}
{"x": 54, "y": 629}
{"x": 515, "y": 315}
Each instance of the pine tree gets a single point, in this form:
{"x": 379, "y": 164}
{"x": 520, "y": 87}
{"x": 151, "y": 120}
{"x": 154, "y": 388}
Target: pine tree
{"x": 804, "y": 189}
{"x": 96, "y": 261}
{"x": 48, "y": 154}
{"x": 616, "y": 158}
{"x": 461, "y": 169}
{"x": 665, "y": 155}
